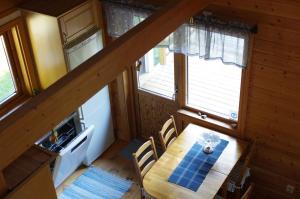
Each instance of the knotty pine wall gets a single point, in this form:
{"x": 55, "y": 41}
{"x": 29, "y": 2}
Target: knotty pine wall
{"x": 273, "y": 113}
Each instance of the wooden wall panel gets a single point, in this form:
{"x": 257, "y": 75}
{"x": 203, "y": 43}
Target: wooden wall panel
{"x": 276, "y": 185}
{"x": 274, "y": 109}
{"x": 286, "y": 164}
{"x": 154, "y": 111}
{"x": 278, "y": 35}
{"x": 273, "y": 114}
{"x": 276, "y": 80}
{"x": 87, "y": 79}
{"x": 6, "y": 5}
{"x": 277, "y": 49}
{"x": 283, "y": 62}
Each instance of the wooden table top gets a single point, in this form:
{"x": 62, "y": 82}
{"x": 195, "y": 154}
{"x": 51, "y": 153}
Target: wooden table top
{"x": 156, "y": 180}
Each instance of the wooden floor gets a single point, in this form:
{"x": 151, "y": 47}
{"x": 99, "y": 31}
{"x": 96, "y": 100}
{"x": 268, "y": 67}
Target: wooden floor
{"x": 112, "y": 162}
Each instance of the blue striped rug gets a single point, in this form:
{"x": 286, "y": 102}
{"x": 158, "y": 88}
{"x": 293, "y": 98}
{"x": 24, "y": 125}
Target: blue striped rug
{"x": 96, "y": 184}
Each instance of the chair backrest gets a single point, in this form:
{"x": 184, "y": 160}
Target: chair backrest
{"x": 244, "y": 169}
{"x": 168, "y": 133}
{"x": 246, "y": 163}
{"x": 144, "y": 158}
{"x": 248, "y": 193}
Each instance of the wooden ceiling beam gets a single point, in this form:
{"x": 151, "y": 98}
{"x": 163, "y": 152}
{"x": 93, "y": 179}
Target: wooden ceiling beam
{"x": 280, "y": 8}
{"x": 39, "y": 115}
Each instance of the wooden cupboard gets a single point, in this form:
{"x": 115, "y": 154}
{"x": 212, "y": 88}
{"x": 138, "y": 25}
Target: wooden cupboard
{"x": 30, "y": 172}
{"x": 41, "y": 180}
{"x": 51, "y": 26}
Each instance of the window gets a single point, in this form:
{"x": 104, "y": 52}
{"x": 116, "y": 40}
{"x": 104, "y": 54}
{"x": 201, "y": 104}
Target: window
{"x": 213, "y": 87}
{"x": 156, "y": 73}
{"x": 17, "y": 77}
{"x": 8, "y": 86}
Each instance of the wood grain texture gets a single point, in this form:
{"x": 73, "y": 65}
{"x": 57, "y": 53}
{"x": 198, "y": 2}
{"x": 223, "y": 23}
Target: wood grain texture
{"x": 78, "y": 21}
{"x": 267, "y": 104}
{"x": 23, "y": 167}
{"x": 83, "y": 82}
{"x": 39, "y": 185}
{"x": 273, "y": 112}
{"x": 44, "y": 35}
{"x": 284, "y": 8}
{"x": 3, "y": 186}
{"x": 53, "y": 8}
{"x": 7, "y": 6}
{"x": 154, "y": 111}
{"x": 156, "y": 180}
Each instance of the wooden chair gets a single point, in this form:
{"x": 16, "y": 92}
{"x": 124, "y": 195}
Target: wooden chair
{"x": 248, "y": 193}
{"x": 237, "y": 177}
{"x": 143, "y": 159}
{"x": 168, "y": 133}
{"x": 244, "y": 170}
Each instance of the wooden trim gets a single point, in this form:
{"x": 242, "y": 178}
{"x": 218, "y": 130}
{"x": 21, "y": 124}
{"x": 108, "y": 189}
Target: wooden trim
{"x": 51, "y": 106}
{"x": 209, "y": 115}
{"x": 27, "y": 56}
{"x": 136, "y": 100}
{"x": 15, "y": 64}
{"x": 15, "y": 36}
{"x": 21, "y": 93}
{"x": 180, "y": 78}
{"x": 3, "y": 186}
{"x": 38, "y": 185}
{"x": 180, "y": 62}
{"x": 124, "y": 123}
{"x": 245, "y": 79}
{"x": 245, "y": 84}
{"x": 190, "y": 117}
{"x": 131, "y": 103}
{"x": 6, "y": 27}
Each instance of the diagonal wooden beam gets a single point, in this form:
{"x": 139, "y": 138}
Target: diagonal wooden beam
{"x": 3, "y": 187}
{"x": 39, "y": 115}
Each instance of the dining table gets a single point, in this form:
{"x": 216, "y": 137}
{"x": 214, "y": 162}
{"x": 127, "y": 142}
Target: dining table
{"x": 156, "y": 182}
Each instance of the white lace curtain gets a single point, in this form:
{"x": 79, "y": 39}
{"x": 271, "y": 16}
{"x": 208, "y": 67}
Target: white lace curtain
{"x": 203, "y": 38}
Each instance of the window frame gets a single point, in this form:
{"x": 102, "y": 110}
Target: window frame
{"x": 211, "y": 115}
{"x": 238, "y": 126}
{"x": 173, "y": 98}
{"x": 23, "y": 92}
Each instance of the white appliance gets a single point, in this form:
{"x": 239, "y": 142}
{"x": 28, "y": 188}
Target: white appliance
{"x": 82, "y": 49}
{"x": 72, "y": 156}
{"x": 97, "y": 110}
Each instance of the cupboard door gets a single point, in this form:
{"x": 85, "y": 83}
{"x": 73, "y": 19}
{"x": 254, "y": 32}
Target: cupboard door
{"x": 78, "y": 21}
{"x": 39, "y": 185}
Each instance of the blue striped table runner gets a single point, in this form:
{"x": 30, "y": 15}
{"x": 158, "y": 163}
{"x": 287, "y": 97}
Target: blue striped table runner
{"x": 195, "y": 165}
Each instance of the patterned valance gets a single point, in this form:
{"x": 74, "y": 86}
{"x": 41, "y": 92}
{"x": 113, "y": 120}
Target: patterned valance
{"x": 205, "y": 36}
